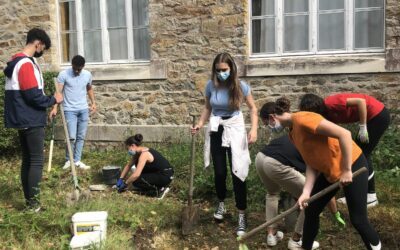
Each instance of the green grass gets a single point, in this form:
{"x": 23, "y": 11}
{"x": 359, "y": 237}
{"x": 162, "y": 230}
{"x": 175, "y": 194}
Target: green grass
{"x": 139, "y": 222}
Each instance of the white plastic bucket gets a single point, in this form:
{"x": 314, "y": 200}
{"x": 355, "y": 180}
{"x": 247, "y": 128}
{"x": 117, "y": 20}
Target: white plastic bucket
{"x": 86, "y": 241}
{"x": 87, "y": 222}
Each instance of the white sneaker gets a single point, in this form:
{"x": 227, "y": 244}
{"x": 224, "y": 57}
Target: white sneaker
{"x": 220, "y": 212}
{"x": 372, "y": 200}
{"x": 296, "y": 245}
{"x": 82, "y": 165}
{"x": 67, "y": 165}
{"x": 272, "y": 240}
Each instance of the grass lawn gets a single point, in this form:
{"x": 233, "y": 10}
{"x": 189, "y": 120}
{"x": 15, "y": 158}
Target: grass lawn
{"x": 140, "y": 222}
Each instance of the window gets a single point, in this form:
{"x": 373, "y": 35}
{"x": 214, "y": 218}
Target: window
{"x": 302, "y": 27}
{"x": 104, "y": 31}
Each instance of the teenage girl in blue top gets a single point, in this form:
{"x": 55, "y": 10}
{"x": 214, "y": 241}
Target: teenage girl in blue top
{"x": 224, "y": 95}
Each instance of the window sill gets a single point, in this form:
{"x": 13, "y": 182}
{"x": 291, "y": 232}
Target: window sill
{"x": 322, "y": 64}
{"x": 155, "y": 69}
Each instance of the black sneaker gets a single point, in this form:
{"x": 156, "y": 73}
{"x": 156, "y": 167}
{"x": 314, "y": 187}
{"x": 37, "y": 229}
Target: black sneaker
{"x": 220, "y": 211}
{"x": 242, "y": 224}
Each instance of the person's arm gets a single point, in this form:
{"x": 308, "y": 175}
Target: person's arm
{"x": 127, "y": 167}
{"x": 53, "y": 112}
{"x": 252, "y": 136}
{"x": 205, "y": 115}
{"x": 311, "y": 176}
{"x": 90, "y": 93}
{"x": 330, "y": 129}
{"x": 29, "y": 89}
{"x": 361, "y": 105}
{"x": 143, "y": 158}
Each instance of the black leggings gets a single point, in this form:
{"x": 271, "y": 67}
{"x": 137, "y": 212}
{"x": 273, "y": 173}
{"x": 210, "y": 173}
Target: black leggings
{"x": 356, "y": 197}
{"x": 153, "y": 181}
{"x": 32, "y": 145}
{"x": 218, "y": 154}
{"x": 376, "y": 127}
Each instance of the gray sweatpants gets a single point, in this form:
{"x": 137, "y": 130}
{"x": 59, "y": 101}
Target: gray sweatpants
{"x": 276, "y": 177}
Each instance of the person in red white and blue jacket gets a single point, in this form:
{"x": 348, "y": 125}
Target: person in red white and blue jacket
{"x": 25, "y": 109}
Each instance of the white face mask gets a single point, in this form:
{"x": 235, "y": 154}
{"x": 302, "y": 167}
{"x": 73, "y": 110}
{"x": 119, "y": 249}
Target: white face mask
{"x": 277, "y": 128}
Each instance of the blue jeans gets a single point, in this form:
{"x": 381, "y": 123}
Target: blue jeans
{"x": 77, "y": 123}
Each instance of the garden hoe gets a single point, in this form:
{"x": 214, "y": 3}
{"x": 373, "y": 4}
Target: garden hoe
{"x": 73, "y": 197}
{"x": 190, "y": 213}
{"x": 241, "y": 239}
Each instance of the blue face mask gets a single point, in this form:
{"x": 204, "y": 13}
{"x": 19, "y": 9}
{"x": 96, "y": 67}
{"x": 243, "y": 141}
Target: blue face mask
{"x": 277, "y": 128}
{"x": 222, "y": 76}
{"x": 131, "y": 152}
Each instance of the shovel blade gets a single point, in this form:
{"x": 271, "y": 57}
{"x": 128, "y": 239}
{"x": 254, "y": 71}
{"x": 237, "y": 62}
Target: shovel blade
{"x": 190, "y": 217}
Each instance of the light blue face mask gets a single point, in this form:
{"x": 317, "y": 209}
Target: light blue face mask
{"x": 277, "y": 128}
{"x": 222, "y": 76}
{"x": 131, "y": 152}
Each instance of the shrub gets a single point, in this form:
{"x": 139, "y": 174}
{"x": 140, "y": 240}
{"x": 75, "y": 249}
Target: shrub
{"x": 9, "y": 137}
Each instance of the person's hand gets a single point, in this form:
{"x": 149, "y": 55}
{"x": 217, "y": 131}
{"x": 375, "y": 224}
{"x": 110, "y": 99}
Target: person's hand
{"x": 346, "y": 177}
{"x": 302, "y": 201}
{"x": 339, "y": 219}
{"x": 59, "y": 98}
{"x": 93, "y": 108}
{"x": 195, "y": 129}
{"x": 52, "y": 113}
{"x": 120, "y": 182}
{"x": 252, "y": 136}
{"x": 123, "y": 187}
{"x": 363, "y": 134}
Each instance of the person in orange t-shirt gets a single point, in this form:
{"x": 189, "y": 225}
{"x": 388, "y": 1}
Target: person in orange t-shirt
{"x": 344, "y": 108}
{"x": 330, "y": 155}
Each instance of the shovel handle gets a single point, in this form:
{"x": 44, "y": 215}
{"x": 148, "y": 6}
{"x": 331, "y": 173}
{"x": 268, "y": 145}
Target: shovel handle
{"x": 296, "y": 207}
{"x": 192, "y": 152}
{"x": 71, "y": 156}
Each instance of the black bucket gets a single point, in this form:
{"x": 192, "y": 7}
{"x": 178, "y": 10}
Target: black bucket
{"x": 111, "y": 174}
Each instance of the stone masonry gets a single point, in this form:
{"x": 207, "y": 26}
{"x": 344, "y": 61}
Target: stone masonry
{"x": 186, "y": 35}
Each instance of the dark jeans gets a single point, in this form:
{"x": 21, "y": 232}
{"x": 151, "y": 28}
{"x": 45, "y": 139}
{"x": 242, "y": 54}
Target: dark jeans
{"x": 218, "y": 154}
{"x": 32, "y": 145}
{"x": 153, "y": 181}
{"x": 356, "y": 197}
{"x": 376, "y": 127}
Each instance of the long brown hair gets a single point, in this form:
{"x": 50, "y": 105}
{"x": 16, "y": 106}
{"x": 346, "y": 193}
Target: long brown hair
{"x": 232, "y": 83}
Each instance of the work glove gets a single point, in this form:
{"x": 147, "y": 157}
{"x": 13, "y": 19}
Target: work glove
{"x": 123, "y": 187}
{"x": 339, "y": 219}
{"x": 119, "y": 183}
{"x": 363, "y": 134}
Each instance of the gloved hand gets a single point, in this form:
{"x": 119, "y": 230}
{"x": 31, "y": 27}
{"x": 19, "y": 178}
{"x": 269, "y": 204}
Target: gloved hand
{"x": 363, "y": 133}
{"x": 339, "y": 219}
{"x": 123, "y": 187}
{"x": 119, "y": 183}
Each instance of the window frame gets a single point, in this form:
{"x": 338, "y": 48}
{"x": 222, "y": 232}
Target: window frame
{"x": 349, "y": 15}
{"x": 106, "y": 57}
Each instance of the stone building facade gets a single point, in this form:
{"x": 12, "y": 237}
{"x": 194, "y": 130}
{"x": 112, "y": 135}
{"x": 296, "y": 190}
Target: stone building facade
{"x": 156, "y": 97}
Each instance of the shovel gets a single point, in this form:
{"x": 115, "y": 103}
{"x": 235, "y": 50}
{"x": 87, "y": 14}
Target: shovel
{"x": 74, "y": 197}
{"x": 51, "y": 145}
{"x": 313, "y": 198}
{"x": 190, "y": 213}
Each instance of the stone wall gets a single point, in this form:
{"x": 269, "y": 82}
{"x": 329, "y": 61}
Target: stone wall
{"x": 392, "y": 35}
{"x": 17, "y": 17}
{"x": 186, "y": 35}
